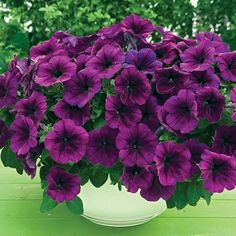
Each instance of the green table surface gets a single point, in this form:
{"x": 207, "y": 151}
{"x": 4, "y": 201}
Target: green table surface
{"x": 20, "y": 199}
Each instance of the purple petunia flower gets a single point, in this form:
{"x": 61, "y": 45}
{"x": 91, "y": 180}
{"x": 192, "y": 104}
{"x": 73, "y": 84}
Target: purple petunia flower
{"x": 62, "y": 186}
{"x": 218, "y": 171}
{"x": 149, "y": 113}
{"x": 227, "y": 65}
{"x": 81, "y": 61}
{"x": 201, "y": 79}
{"x": 170, "y": 80}
{"x": 210, "y": 103}
{"x": 66, "y": 142}
{"x": 132, "y": 86}
{"x": 136, "y": 25}
{"x": 173, "y": 162}
{"x": 156, "y": 190}
{"x": 29, "y": 160}
{"x": 196, "y": 149}
{"x": 82, "y": 88}
{"x": 182, "y": 112}
{"x": 57, "y": 70}
{"x": 136, "y": 145}
{"x": 33, "y": 107}
{"x": 215, "y": 40}
{"x": 136, "y": 177}
{"x": 225, "y": 140}
{"x": 233, "y": 100}
{"x": 24, "y": 135}
{"x": 47, "y": 48}
{"x": 198, "y": 58}
{"x": 166, "y": 53}
{"x": 79, "y": 115}
{"x": 8, "y": 90}
{"x": 4, "y": 134}
{"x": 119, "y": 114}
{"x": 144, "y": 60}
{"x": 101, "y": 148}
{"x": 107, "y": 62}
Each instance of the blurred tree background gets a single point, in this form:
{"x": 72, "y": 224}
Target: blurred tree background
{"x": 26, "y": 23}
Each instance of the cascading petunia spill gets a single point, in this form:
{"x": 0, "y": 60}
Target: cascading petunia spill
{"x": 157, "y": 117}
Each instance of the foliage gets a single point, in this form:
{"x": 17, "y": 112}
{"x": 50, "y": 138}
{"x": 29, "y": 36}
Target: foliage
{"x": 26, "y": 23}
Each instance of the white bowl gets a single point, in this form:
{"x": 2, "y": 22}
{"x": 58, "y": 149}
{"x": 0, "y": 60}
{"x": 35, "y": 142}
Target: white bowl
{"x": 110, "y": 207}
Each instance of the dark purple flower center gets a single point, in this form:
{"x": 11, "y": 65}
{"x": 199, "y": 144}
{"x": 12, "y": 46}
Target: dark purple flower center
{"x": 201, "y": 80}
{"x": 168, "y": 161}
{"x": 30, "y": 109}
{"x": 218, "y": 167}
{"x": 105, "y": 143}
{"x": 107, "y": 62}
{"x": 231, "y": 66}
{"x": 139, "y": 66}
{"x": 58, "y": 73}
{"x": 135, "y": 145}
{"x": 3, "y": 91}
{"x": 210, "y": 102}
{"x": 65, "y": 140}
{"x": 85, "y": 87}
{"x": 136, "y": 170}
{"x": 201, "y": 59}
{"x": 136, "y": 28}
{"x": 186, "y": 108}
{"x": 170, "y": 79}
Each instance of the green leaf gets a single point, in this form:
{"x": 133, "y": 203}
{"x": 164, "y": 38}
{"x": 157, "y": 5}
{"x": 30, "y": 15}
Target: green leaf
{"x": 9, "y": 159}
{"x": 170, "y": 203}
{"x": 206, "y": 195}
{"x": 47, "y": 204}
{"x": 98, "y": 176}
{"x": 44, "y": 154}
{"x": 194, "y": 193}
{"x": 180, "y": 195}
{"x": 75, "y": 206}
{"x": 99, "y": 123}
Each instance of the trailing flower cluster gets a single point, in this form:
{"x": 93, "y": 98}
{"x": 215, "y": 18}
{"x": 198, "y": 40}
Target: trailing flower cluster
{"x": 155, "y": 116}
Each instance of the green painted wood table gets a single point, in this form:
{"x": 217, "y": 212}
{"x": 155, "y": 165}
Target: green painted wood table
{"x": 20, "y": 199}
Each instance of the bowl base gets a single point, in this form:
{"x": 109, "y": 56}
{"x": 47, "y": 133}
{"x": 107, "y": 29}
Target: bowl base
{"x": 120, "y": 223}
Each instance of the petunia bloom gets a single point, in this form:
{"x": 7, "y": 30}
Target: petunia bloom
{"x": 82, "y": 88}
{"x": 29, "y": 160}
{"x": 149, "y": 113}
{"x": 66, "y": 142}
{"x": 132, "y": 86}
{"x": 57, "y": 70}
{"x": 156, "y": 190}
{"x": 201, "y": 79}
{"x": 210, "y": 104}
{"x": 136, "y": 177}
{"x": 4, "y": 134}
{"x": 48, "y": 48}
{"x": 182, "y": 112}
{"x": 136, "y": 25}
{"x": 227, "y": 65}
{"x": 101, "y": 148}
{"x": 196, "y": 149}
{"x": 33, "y": 107}
{"x": 144, "y": 60}
{"x": 218, "y": 171}
{"x": 62, "y": 186}
{"x": 170, "y": 80}
{"x": 24, "y": 135}
{"x": 136, "y": 145}
{"x": 225, "y": 140}
{"x": 8, "y": 90}
{"x": 198, "y": 58}
{"x": 79, "y": 115}
{"x": 173, "y": 162}
{"x": 107, "y": 62}
{"x": 119, "y": 114}
{"x": 215, "y": 40}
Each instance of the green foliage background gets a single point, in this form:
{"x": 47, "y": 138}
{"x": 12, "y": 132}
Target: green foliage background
{"x": 25, "y": 23}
